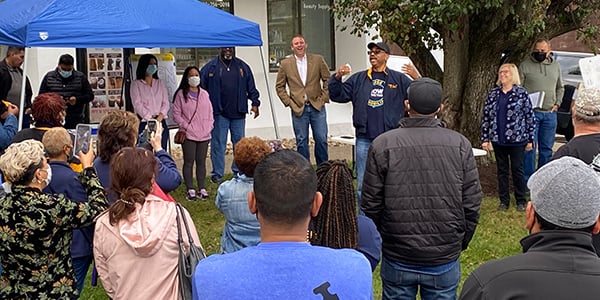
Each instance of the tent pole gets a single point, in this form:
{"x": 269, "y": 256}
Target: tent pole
{"x": 262, "y": 57}
{"x": 23, "y": 84}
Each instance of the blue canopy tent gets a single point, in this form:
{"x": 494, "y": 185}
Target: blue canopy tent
{"x": 125, "y": 24}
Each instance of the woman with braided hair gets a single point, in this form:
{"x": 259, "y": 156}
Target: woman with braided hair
{"x": 136, "y": 238}
{"x": 337, "y": 225}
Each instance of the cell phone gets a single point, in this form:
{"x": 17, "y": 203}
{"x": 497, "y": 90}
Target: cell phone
{"x": 83, "y": 138}
{"x": 151, "y": 125}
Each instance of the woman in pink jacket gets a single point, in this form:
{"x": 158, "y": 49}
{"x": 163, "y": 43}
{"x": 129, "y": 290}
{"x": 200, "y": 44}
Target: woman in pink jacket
{"x": 136, "y": 248}
{"x": 192, "y": 111}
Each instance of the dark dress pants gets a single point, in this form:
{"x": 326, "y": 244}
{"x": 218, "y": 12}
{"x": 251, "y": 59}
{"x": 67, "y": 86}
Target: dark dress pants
{"x": 510, "y": 157}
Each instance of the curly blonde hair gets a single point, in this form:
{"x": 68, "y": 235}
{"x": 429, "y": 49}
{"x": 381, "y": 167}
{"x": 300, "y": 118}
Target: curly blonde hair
{"x": 20, "y": 160}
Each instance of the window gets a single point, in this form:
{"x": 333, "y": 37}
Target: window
{"x": 311, "y": 18}
{"x": 185, "y": 57}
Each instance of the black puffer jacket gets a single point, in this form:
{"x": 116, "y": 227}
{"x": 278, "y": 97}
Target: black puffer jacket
{"x": 421, "y": 188}
{"x": 76, "y": 85}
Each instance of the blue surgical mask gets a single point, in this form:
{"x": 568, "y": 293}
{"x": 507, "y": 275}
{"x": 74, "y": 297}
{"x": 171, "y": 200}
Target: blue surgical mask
{"x": 151, "y": 69}
{"x": 65, "y": 74}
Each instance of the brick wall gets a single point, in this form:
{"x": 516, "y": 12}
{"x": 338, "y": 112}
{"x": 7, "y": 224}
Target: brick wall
{"x": 569, "y": 42}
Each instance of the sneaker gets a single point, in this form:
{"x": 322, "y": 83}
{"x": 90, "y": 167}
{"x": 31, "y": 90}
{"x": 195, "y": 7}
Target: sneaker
{"x": 502, "y": 206}
{"x": 216, "y": 179}
{"x": 203, "y": 194}
{"x": 191, "y": 195}
{"x": 521, "y": 207}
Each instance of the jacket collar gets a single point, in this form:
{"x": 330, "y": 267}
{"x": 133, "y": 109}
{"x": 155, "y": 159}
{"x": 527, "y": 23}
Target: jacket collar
{"x": 370, "y": 72}
{"x": 420, "y": 122}
{"x": 556, "y": 240}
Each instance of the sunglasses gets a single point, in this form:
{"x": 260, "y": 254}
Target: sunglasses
{"x": 375, "y": 52}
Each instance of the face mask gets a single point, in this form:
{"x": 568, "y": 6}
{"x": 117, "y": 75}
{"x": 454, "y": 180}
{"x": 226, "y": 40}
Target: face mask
{"x": 49, "y": 178}
{"x": 539, "y": 56}
{"x": 65, "y": 74}
{"x": 151, "y": 69}
{"x": 194, "y": 80}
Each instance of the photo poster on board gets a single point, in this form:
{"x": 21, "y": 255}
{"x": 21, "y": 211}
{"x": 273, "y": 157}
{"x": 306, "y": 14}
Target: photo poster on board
{"x": 167, "y": 72}
{"x": 105, "y": 74}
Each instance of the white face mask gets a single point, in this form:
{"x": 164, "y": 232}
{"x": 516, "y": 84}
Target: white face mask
{"x": 194, "y": 80}
{"x": 49, "y": 177}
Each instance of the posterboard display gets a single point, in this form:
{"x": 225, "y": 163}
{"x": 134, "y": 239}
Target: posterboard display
{"x": 590, "y": 71}
{"x": 167, "y": 72}
{"x": 395, "y": 62}
{"x": 105, "y": 74}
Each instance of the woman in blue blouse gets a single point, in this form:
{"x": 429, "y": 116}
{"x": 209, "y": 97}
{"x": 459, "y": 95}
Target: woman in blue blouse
{"x": 507, "y": 127}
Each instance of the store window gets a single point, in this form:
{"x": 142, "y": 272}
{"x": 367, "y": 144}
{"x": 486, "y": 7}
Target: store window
{"x": 185, "y": 57}
{"x": 311, "y": 18}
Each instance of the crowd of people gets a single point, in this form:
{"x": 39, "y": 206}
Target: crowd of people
{"x": 293, "y": 231}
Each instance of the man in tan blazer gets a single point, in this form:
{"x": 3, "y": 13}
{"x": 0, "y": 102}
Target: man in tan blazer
{"x": 306, "y": 77}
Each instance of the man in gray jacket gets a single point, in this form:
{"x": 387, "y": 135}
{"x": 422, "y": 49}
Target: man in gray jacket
{"x": 421, "y": 188}
{"x": 559, "y": 261}
{"x": 540, "y": 73}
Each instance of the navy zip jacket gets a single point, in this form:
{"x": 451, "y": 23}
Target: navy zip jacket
{"x": 358, "y": 90}
{"x": 211, "y": 81}
{"x": 65, "y": 181}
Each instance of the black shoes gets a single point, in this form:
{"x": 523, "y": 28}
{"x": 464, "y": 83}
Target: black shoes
{"x": 503, "y": 206}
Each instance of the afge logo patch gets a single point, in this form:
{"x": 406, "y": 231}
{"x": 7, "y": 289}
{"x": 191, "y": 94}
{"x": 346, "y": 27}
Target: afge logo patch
{"x": 43, "y": 35}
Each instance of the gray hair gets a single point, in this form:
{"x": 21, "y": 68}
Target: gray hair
{"x": 19, "y": 157}
{"x": 55, "y": 140}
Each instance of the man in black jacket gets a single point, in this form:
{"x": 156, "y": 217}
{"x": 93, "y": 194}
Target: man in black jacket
{"x": 421, "y": 188}
{"x": 559, "y": 261}
{"x": 11, "y": 80}
{"x": 72, "y": 85}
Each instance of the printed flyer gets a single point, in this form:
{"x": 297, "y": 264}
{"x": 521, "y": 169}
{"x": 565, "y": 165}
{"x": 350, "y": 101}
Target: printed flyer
{"x": 105, "y": 74}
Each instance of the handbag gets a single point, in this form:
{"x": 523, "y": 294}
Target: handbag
{"x": 180, "y": 136}
{"x": 188, "y": 260}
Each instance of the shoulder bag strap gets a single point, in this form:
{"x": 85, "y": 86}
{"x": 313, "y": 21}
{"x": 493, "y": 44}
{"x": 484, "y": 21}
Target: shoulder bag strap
{"x": 194, "y": 114}
{"x": 187, "y": 229}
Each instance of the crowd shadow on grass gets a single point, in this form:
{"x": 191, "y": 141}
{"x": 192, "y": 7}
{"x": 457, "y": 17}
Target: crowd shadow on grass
{"x": 497, "y": 234}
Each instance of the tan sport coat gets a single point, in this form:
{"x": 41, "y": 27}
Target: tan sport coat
{"x": 317, "y": 75}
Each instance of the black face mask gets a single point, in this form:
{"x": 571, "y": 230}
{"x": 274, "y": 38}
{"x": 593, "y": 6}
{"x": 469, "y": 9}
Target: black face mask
{"x": 539, "y": 56}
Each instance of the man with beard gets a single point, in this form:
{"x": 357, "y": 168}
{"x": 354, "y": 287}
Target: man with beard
{"x": 230, "y": 84}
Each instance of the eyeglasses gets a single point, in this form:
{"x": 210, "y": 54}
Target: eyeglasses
{"x": 375, "y": 52}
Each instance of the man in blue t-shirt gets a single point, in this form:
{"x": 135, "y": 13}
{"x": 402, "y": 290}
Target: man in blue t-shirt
{"x": 284, "y": 265}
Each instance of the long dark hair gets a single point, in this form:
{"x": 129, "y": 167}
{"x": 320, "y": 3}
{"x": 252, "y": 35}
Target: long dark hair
{"x": 131, "y": 173}
{"x": 140, "y": 72}
{"x": 335, "y": 226}
{"x": 184, "y": 86}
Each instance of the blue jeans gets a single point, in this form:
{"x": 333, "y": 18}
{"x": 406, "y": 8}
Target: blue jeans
{"x": 218, "y": 142}
{"x": 404, "y": 285}
{"x": 543, "y": 140}
{"x": 318, "y": 122}
{"x": 81, "y": 266}
{"x": 362, "y": 149}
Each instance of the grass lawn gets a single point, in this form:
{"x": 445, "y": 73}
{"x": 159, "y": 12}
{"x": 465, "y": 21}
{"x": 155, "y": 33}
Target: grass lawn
{"x": 497, "y": 236}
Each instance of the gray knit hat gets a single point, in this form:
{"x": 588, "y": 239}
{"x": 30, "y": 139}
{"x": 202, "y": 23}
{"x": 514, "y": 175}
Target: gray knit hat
{"x": 565, "y": 192}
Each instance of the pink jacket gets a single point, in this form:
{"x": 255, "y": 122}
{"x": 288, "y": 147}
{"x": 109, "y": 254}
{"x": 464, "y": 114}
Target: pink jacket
{"x": 137, "y": 258}
{"x": 149, "y": 100}
{"x": 200, "y": 127}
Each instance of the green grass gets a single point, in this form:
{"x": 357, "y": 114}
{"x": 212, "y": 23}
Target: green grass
{"x": 497, "y": 236}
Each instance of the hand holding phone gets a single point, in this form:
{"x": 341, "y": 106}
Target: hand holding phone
{"x": 83, "y": 139}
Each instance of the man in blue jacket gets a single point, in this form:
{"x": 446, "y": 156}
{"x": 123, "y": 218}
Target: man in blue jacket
{"x": 230, "y": 84}
{"x": 377, "y": 96}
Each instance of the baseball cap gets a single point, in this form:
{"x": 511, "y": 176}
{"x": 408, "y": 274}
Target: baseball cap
{"x": 588, "y": 102}
{"x": 565, "y": 193}
{"x": 425, "y": 95}
{"x": 381, "y": 45}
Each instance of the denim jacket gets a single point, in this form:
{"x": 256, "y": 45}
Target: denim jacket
{"x": 520, "y": 121}
{"x": 241, "y": 227}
